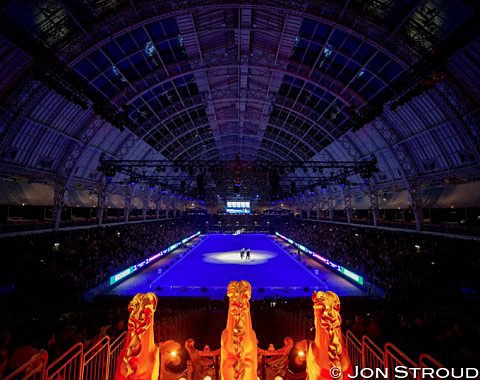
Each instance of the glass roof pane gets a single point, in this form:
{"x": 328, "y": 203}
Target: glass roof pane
{"x": 100, "y": 60}
{"x": 307, "y": 28}
{"x": 127, "y": 43}
{"x": 87, "y": 69}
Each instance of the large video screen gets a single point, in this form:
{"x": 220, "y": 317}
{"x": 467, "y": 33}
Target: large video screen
{"x": 238, "y": 207}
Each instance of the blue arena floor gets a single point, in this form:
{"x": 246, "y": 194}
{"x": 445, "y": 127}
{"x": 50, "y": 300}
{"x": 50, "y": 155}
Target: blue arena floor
{"x": 207, "y": 269}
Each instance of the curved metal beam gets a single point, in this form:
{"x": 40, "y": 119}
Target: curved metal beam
{"x": 321, "y": 16}
{"x": 280, "y": 158}
{"x": 232, "y": 120}
{"x": 204, "y": 69}
{"x": 306, "y": 117}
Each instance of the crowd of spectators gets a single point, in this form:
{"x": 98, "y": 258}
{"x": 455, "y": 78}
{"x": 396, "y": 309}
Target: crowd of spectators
{"x": 402, "y": 263}
{"x": 82, "y": 259}
{"x": 431, "y": 283}
{"x": 42, "y": 277}
{"x": 49, "y": 269}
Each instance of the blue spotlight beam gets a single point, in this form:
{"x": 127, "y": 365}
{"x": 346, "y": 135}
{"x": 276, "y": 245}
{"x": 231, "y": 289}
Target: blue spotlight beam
{"x": 356, "y": 278}
{"x": 144, "y": 263}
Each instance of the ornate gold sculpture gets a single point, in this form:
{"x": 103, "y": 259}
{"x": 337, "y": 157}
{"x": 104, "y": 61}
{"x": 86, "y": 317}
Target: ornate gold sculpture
{"x": 239, "y": 342}
{"x": 327, "y": 350}
{"x": 275, "y": 362}
{"x": 203, "y": 362}
{"x": 139, "y": 358}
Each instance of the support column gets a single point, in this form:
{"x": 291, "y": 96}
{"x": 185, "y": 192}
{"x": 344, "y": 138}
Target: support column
{"x": 330, "y": 209}
{"x": 101, "y": 202}
{"x": 58, "y": 202}
{"x": 146, "y": 201}
{"x": 158, "y": 206}
{"x": 416, "y": 201}
{"x": 126, "y": 207}
{"x": 374, "y": 206}
{"x": 348, "y": 208}
{"x": 167, "y": 202}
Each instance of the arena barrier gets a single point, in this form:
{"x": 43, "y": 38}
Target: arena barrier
{"x": 394, "y": 358}
{"x": 426, "y": 361}
{"x": 96, "y": 360}
{"x": 99, "y": 362}
{"x": 372, "y": 355}
{"x": 354, "y": 348}
{"x": 69, "y": 366}
{"x": 113, "y": 354}
{"x": 34, "y": 369}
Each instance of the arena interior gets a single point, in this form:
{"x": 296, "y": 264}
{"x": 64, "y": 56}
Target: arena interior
{"x": 296, "y": 148}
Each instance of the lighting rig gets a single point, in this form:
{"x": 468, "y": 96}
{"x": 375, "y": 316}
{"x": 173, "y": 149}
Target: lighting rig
{"x": 238, "y": 177}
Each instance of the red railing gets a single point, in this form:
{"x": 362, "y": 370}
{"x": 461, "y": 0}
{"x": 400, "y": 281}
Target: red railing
{"x": 354, "y": 348}
{"x": 96, "y": 360}
{"x": 69, "y": 366}
{"x": 372, "y": 355}
{"x": 115, "y": 348}
{"x": 99, "y": 362}
{"x": 399, "y": 364}
{"x": 34, "y": 369}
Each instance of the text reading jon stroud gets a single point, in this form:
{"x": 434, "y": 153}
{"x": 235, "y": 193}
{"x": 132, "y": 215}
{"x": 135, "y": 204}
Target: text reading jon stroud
{"x": 402, "y": 372}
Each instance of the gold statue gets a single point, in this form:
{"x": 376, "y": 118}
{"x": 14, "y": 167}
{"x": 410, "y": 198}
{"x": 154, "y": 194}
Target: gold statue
{"x": 239, "y": 342}
{"x": 327, "y": 357}
{"x": 139, "y": 359}
{"x": 203, "y": 362}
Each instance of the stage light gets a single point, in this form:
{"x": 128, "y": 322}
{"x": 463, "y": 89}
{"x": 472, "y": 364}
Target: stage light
{"x": 173, "y": 354}
{"x": 207, "y": 378}
{"x": 301, "y": 354}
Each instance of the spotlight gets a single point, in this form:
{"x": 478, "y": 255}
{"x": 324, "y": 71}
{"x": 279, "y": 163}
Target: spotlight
{"x": 173, "y": 354}
{"x": 301, "y": 354}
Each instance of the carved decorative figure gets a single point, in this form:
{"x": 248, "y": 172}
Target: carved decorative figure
{"x": 139, "y": 359}
{"x": 239, "y": 342}
{"x": 327, "y": 350}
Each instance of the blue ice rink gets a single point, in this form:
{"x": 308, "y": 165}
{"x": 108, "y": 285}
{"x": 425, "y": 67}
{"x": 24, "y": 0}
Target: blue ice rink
{"x": 214, "y": 262}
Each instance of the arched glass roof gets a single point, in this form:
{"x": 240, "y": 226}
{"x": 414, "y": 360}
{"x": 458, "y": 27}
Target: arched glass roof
{"x": 299, "y": 81}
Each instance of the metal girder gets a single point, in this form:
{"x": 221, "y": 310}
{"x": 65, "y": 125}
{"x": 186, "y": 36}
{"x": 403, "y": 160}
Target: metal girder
{"x": 311, "y": 117}
{"x": 187, "y": 27}
{"x": 230, "y": 120}
{"x": 449, "y": 97}
{"x": 241, "y": 165}
{"x": 291, "y": 24}
{"x": 20, "y": 102}
{"x": 277, "y": 70}
{"x": 327, "y": 13}
{"x": 405, "y": 162}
